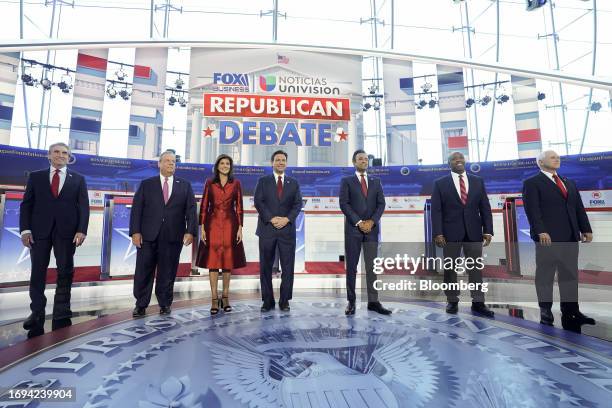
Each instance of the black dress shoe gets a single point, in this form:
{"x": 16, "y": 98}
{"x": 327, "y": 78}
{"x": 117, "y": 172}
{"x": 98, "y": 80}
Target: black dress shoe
{"x": 452, "y": 307}
{"x": 546, "y": 317}
{"x": 284, "y": 306}
{"x": 57, "y": 324}
{"x": 36, "y": 331}
{"x": 350, "y": 309}
{"x": 34, "y": 321}
{"x": 266, "y": 307}
{"x": 570, "y": 323}
{"x": 584, "y": 319}
{"x": 164, "y": 310}
{"x": 139, "y": 311}
{"x": 378, "y": 308}
{"x": 482, "y": 309}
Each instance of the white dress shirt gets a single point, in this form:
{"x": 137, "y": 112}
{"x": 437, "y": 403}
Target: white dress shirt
{"x": 456, "y": 182}
{"x": 170, "y": 181}
{"x": 550, "y": 177}
{"x": 62, "y": 176}
{"x": 365, "y": 174}
{"x": 282, "y": 176}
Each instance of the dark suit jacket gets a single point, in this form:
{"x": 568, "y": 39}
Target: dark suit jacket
{"x": 40, "y": 211}
{"x": 356, "y": 207}
{"x": 449, "y": 217}
{"x": 269, "y": 206}
{"x": 150, "y": 216}
{"x": 547, "y": 210}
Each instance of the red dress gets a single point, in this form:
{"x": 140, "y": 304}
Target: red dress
{"x": 221, "y": 212}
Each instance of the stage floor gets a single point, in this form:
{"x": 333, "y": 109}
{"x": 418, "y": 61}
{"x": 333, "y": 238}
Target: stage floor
{"x": 312, "y": 356}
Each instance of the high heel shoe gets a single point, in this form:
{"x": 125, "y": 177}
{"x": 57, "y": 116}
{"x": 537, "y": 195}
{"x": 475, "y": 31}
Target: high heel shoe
{"x": 215, "y": 310}
{"x": 225, "y": 304}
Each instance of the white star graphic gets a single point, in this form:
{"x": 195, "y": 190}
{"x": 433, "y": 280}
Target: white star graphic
{"x": 565, "y": 397}
{"x": 116, "y": 377}
{"x": 96, "y": 405}
{"x": 143, "y": 355}
{"x": 128, "y": 365}
{"x": 25, "y": 252}
{"x": 131, "y": 249}
{"x": 158, "y": 346}
{"x": 543, "y": 381}
{"x": 99, "y": 392}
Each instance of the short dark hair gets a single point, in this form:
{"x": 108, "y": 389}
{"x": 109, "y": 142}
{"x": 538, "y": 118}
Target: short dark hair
{"x": 230, "y": 176}
{"x": 278, "y": 152}
{"x": 358, "y": 151}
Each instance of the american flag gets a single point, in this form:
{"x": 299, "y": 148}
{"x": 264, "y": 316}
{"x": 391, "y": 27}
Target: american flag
{"x": 281, "y": 59}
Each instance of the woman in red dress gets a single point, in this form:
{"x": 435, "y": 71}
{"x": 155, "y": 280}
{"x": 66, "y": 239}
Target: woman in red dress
{"x": 221, "y": 218}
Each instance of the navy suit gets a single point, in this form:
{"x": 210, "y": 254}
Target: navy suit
{"x": 461, "y": 225}
{"x": 268, "y": 206}
{"x": 355, "y": 207}
{"x": 54, "y": 223}
{"x": 564, "y": 220}
{"x": 162, "y": 227}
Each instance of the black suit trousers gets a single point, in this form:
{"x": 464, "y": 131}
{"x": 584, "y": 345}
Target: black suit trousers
{"x": 267, "y": 252}
{"x": 561, "y": 257}
{"x": 40, "y": 254}
{"x": 164, "y": 256}
{"x": 471, "y": 250}
{"x": 352, "y": 248}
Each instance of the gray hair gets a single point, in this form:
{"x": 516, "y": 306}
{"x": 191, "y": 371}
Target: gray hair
{"x": 542, "y": 156}
{"x": 59, "y": 144}
{"x": 450, "y": 156}
{"x": 161, "y": 156}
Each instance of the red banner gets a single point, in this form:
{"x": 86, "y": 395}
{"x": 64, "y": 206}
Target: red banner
{"x": 276, "y": 106}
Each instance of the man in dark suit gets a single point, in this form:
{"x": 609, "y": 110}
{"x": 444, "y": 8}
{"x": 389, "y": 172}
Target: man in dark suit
{"x": 54, "y": 214}
{"x": 462, "y": 220}
{"x": 557, "y": 222}
{"x": 278, "y": 201}
{"x": 362, "y": 202}
{"x": 163, "y": 218}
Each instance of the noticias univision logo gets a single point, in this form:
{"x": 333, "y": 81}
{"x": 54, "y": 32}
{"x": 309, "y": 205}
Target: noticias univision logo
{"x": 267, "y": 83}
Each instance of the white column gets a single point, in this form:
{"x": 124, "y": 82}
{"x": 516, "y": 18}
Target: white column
{"x": 196, "y": 137}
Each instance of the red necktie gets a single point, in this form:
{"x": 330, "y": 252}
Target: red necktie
{"x": 364, "y": 186}
{"x": 560, "y": 185}
{"x": 279, "y": 187}
{"x": 463, "y": 190}
{"x": 55, "y": 184}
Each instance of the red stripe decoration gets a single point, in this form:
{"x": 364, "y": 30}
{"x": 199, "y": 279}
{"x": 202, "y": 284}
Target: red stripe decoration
{"x": 528, "y": 135}
{"x": 457, "y": 142}
{"x": 89, "y": 61}
{"x": 141, "y": 71}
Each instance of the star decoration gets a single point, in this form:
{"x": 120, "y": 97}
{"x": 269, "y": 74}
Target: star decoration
{"x": 25, "y": 252}
{"x": 116, "y": 377}
{"x": 158, "y": 346}
{"x": 173, "y": 339}
{"x": 143, "y": 355}
{"x": 565, "y": 397}
{"x": 96, "y": 405}
{"x": 342, "y": 135}
{"x": 131, "y": 249}
{"x": 543, "y": 381}
{"x": 101, "y": 391}
{"x": 128, "y": 365}
{"x": 208, "y": 131}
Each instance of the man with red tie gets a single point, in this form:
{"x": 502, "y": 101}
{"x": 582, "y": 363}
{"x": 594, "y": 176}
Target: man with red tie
{"x": 278, "y": 201}
{"x": 362, "y": 202}
{"x": 462, "y": 220}
{"x": 558, "y": 221}
{"x": 54, "y": 214}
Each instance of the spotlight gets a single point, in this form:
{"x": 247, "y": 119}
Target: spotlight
{"x": 65, "y": 84}
{"x": 534, "y": 4}
{"x": 595, "y": 107}
{"x": 172, "y": 100}
{"x": 46, "y": 83}
{"x": 367, "y": 106}
{"x": 111, "y": 91}
{"x": 541, "y": 96}
{"x": 426, "y": 87}
{"x": 376, "y": 104}
{"x": 485, "y": 101}
{"x": 421, "y": 104}
{"x": 432, "y": 103}
{"x": 178, "y": 84}
{"x": 182, "y": 101}
{"x": 120, "y": 74}
{"x": 124, "y": 94}
{"x": 503, "y": 99}
{"x": 27, "y": 79}
{"x": 373, "y": 89}
{"x": 469, "y": 102}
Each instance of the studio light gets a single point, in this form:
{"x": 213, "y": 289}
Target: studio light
{"x": 367, "y": 106}
{"x": 27, "y": 79}
{"x": 485, "y": 100}
{"x": 46, "y": 83}
{"x": 376, "y": 104}
{"x": 469, "y": 102}
{"x": 535, "y": 4}
{"x": 503, "y": 99}
{"x": 421, "y": 104}
{"x": 111, "y": 91}
{"x": 595, "y": 107}
{"x": 124, "y": 94}
{"x": 178, "y": 84}
{"x": 182, "y": 101}
{"x": 541, "y": 96}
{"x": 432, "y": 103}
{"x": 65, "y": 84}
{"x": 426, "y": 87}
{"x": 172, "y": 100}
{"x": 120, "y": 74}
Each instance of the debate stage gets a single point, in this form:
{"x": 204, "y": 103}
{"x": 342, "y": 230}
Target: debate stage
{"x": 314, "y": 356}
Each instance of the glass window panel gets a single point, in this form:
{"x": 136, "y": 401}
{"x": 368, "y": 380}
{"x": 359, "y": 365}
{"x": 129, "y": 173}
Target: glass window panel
{"x": 429, "y": 135}
{"x": 175, "y": 115}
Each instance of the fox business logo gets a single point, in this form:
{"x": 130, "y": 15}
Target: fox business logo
{"x": 597, "y": 199}
{"x": 230, "y": 82}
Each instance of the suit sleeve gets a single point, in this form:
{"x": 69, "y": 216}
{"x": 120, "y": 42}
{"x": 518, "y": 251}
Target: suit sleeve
{"x": 83, "y": 207}
{"x": 239, "y": 204}
{"x": 136, "y": 211}
{"x": 204, "y": 203}
{"x": 380, "y": 204}
{"x": 260, "y": 202}
{"x": 531, "y": 203}
{"x": 26, "y": 207}
{"x": 581, "y": 215}
{"x": 436, "y": 211}
{"x": 345, "y": 203}
{"x": 485, "y": 212}
{"x": 297, "y": 205}
{"x": 191, "y": 211}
